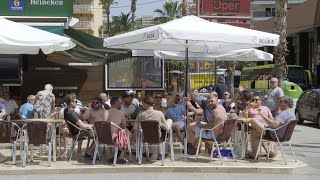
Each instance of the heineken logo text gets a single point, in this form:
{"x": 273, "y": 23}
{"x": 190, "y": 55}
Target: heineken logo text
{"x": 47, "y": 2}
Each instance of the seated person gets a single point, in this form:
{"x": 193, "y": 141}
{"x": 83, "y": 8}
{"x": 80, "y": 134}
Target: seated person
{"x": 175, "y": 113}
{"x": 117, "y": 117}
{"x": 95, "y": 112}
{"x": 254, "y": 109}
{"x": 242, "y": 98}
{"x": 149, "y": 114}
{"x": 127, "y": 107}
{"x": 26, "y": 110}
{"x": 70, "y": 116}
{"x": 286, "y": 115}
{"x": 216, "y": 117}
{"x": 2, "y": 109}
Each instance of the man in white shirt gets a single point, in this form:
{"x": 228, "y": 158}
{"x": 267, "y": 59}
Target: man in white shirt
{"x": 127, "y": 107}
{"x": 273, "y": 96}
{"x": 11, "y": 106}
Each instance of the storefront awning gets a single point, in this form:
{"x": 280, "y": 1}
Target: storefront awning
{"x": 299, "y": 18}
{"x": 90, "y": 48}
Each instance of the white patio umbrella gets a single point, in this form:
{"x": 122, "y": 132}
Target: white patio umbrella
{"x": 17, "y": 38}
{"x": 192, "y": 34}
{"x": 233, "y": 55}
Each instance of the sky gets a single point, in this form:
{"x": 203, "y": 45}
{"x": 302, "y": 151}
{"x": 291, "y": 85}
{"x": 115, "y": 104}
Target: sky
{"x": 146, "y": 8}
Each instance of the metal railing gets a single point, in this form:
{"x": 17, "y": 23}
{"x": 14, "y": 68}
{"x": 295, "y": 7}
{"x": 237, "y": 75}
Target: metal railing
{"x": 84, "y": 25}
{"x": 83, "y": 8}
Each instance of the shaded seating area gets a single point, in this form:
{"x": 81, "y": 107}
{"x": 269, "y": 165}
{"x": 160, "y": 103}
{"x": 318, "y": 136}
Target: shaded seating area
{"x": 266, "y": 136}
{"x": 36, "y": 133}
{"x": 225, "y": 137}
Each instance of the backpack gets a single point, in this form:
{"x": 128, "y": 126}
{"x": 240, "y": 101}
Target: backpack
{"x": 120, "y": 139}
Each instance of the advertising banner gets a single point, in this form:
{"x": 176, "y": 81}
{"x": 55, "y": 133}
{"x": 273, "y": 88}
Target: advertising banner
{"x": 44, "y": 8}
{"x": 238, "y": 7}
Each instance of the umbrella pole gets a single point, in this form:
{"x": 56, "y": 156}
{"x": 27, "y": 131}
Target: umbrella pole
{"x": 215, "y": 75}
{"x": 186, "y": 99}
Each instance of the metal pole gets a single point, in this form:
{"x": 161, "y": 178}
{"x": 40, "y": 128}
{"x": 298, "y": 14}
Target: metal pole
{"x": 215, "y": 75}
{"x": 186, "y": 98}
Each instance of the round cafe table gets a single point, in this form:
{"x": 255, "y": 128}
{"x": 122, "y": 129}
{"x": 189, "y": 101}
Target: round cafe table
{"x": 54, "y": 135}
{"x": 244, "y": 122}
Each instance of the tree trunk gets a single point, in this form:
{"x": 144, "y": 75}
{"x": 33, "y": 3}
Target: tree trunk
{"x": 133, "y": 10}
{"x": 184, "y": 8}
{"x": 108, "y": 19}
{"x": 280, "y": 52}
{"x": 230, "y": 70}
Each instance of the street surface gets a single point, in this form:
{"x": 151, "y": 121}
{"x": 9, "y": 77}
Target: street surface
{"x": 306, "y": 145}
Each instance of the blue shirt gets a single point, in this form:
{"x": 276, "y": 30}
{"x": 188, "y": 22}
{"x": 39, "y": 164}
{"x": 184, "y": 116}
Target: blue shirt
{"x": 1, "y": 106}
{"x": 176, "y": 111}
{"x": 26, "y": 111}
{"x": 206, "y": 110}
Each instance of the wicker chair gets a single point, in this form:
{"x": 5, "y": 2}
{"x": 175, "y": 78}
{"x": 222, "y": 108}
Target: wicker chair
{"x": 37, "y": 133}
{"x": 224, "y": 137}
{"x": 286, "y": 138}
{"x": 150, "y": 134}
{"x": 8, "y": 134}
{"x": 104, "y": 138}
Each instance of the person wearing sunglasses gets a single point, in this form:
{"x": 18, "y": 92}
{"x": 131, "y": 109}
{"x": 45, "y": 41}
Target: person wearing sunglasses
{"x": 254, "y": 109}
{"x": 273, "y": 95}
{"x": 95, "y": 112}
{"x": 286, "y": 115}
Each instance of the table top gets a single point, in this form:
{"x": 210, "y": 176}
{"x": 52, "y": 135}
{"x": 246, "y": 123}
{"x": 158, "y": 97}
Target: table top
{"x": 42, "y": 120}
{"x": 245, "y": 119}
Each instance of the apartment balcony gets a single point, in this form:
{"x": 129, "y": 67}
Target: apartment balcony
{"x": 83, "y": 9}
{"x": 84, "y": 25}
{"x": 263, "y": 13}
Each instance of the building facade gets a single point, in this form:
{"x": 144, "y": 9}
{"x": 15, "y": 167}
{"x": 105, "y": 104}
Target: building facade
{"x": 265, "y": 9}
{"x": 89, "y": 13}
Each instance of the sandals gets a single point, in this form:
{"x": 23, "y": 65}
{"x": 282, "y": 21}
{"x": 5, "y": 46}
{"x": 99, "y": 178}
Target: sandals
{"x": 249, "y": 156}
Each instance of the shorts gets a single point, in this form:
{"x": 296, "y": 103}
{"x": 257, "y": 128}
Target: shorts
{"x": 205, "y": 134}
{"x": 179, "y": 123}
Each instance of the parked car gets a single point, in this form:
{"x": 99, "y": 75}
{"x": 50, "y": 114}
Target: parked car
{"x": 308, "y": 106}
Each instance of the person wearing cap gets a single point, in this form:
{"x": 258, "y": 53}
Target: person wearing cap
{"x": 135, "y": 101}
{"x": 95, "y": 112}
{"x": 221, "y": 87}
{"x": 127, "y": 107}
{"x": 105, "y": 100}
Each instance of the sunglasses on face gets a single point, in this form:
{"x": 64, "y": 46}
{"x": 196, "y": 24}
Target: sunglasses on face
{"x": 96, "y": 102}
{"x": 254, "y": 100}
{"x": 226, "y": 94}
{"x": 75, "y": 101}
{"x": 158, "y": 97}
{"x": 272, "y": 82}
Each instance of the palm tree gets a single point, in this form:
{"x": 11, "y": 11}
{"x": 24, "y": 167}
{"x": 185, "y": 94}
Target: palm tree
{"x": 133, "y": 10}
{"x": 106, "y": 5}
{"x": 102, "y": 30}
{"x": 280, "y": 27}
{"x": 184, "y": 11}
{"x": 170, "y": 11}
{"x": 121, "y": 24}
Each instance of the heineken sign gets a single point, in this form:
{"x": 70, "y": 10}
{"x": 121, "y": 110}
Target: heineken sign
{"x": 43, "y": 8}
{"x": 47, "y": 2}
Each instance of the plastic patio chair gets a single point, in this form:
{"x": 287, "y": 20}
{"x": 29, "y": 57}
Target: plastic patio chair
{"x": 8, "y": 134}
{"x": 37, "y": 133}
{"x": 105, "y": 139}
{"x": 224, "y": 137}
{"x": 286, "y": 138}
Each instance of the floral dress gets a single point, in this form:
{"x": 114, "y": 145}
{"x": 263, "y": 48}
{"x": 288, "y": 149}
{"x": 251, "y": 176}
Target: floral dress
{"x": 42, "y": 106}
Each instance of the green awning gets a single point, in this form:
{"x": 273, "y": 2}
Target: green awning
{"x": 53, "y": 29}
{"x": 90, "y": 48}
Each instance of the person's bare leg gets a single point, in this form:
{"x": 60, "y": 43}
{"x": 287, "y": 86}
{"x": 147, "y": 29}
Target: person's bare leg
{"x": 177, "y": 130}
{"x": 191, "y": 133}
{"x": 257, "y": 128}
{"x": 79, "y": 147}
